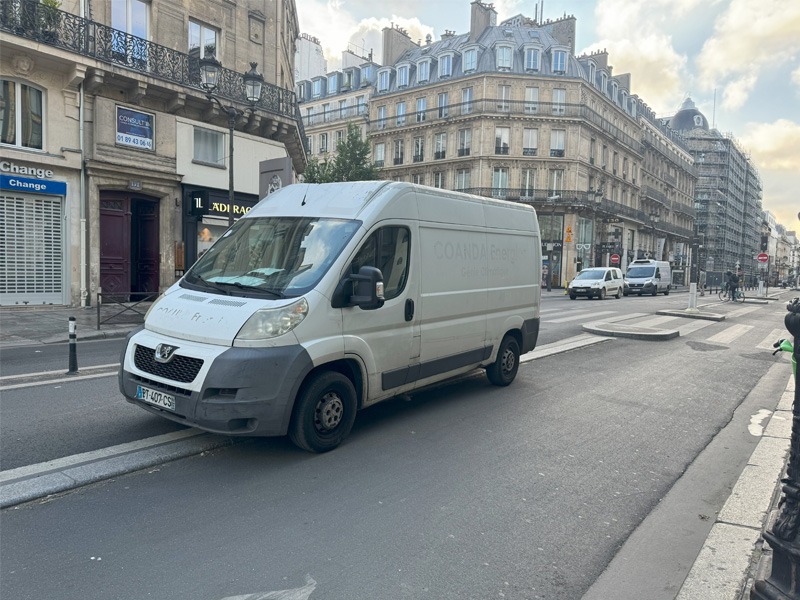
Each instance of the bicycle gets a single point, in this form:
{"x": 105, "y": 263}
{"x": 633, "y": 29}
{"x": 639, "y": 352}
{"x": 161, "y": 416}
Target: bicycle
{"x": 724, "y": 296}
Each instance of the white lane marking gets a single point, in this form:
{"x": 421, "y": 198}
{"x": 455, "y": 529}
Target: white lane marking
{"x": 59, "y": 372}
{"x": 64, "y": 379}
{"x": 756, "y": 426}
{"x": 730, "y": 334}
{"x": 301, "y": 593}
{"x": 582, "y": 316}
{"x": 565, "y": 345}
{"x": 694, "y": 326}
{"x": 774, "y": 336}
{"x": 95, "y": 455}
{"x": 742, "y": 311}
{"x": 624, "y": 317}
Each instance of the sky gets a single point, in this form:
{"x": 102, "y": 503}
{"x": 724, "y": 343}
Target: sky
{"x": 738, "y": 60}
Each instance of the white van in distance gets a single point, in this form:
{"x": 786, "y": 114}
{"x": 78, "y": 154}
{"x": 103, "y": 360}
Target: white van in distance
{"x": 325, "y": 299}
{"x": 649, "y": 277}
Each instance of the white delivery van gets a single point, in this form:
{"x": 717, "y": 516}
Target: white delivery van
{"x": 328, "y": 298}
{"x": 649, "y": 277}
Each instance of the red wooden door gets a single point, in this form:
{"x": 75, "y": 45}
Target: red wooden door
{"x": 145, "y": 253}
{"x": 115, "y": 244}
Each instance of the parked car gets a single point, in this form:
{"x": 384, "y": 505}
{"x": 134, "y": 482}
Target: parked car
{"x": 597, "y": 282}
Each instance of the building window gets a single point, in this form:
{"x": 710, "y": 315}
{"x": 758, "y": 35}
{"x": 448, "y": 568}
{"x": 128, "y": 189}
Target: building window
{"x": 399, "y": 150}
{"x": 462, "y": 179}
{"x": 423, "y": 71}
{"x": 401, "y": 113}
{"x": 624, "y": 100}
{"x": 383, "y": 81}
{"x": 503, "y": 57}
{"x": 504, "y": 98}
{"x": 530, "y": 142}
{"x": 418, "y": 178}
{"x": 614, "y": 92}
{"x": 339, "y": 138}
{"x": 592, "y": 150}
{"x": 323, "y": 143}
{"x": 446, "y": 66}
{"x": 209, "y": 147}
{"x": 531, "y": 100}
{"x": 470, "y": 60}
{"x": 531, "y": 59}
{"x": 466, "y": 101}
{"x": 380, "y": 154}
{"x": 316, "y": 90}
{"x": 366, "y": 74}
{"x": 419, "y": 149}
{"x": 361, "y": 102}
{"x": 22, "y": 115}
{"x": 615, "y": 163}
{"x": 202, "y": 40}
{"x": 464, "y": 141}
{"x": 557, "y": 140}
{"x": 310, "y": 144}
{"x": 559, "y": 101}
{"x": 342, "y": 109}
{"x": 333, "y": 84}
{"x": 556, "y": 182}
{"x": 499, "y": 182}
{"x": 604, "y": 83}
{"x": 326, "y": 112}
{"x": 592, "y": 73}
{"x": 440, "y": 145}
{"x": 442, "y": 104}
{"x": 625, "y": 167}
{"x": 422, "y": 105}
{"x": 502, "y": 135}
{"x": 402, "y": 76}
{"x": 382, "y": 117}
{"x": 559, "y": 61}
{"x": 438, "y": 180}
{"x": 528, "y": 183}
{"x": 130, "y": 17}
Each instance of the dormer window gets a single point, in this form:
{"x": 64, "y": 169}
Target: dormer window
{"x": 532, "y": 56}
{"x": 445, "y": 66}
{"x": 347, "y": 83}
{"x": 624, "y": 100}
{"x": 316, "y": 88}
{"x": 592, "y": 73}
{"x": 559, "y": 61}
{"x": 423, "y": 70}
{"x": 402, "y": 76}
{"x": 614, "y": 92}
{"x": 333, "y": 83}
{"x": 470, "y": 60}
{"x": 604, "y": 83}
{"x": 366, "y": 73}
{"x": 503, "y": 56}
{"x": 383, "y": 80}
{"x": 301, "y": 92}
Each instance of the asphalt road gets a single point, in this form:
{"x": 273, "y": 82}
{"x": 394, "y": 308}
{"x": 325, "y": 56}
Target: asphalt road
{"x": 465, "y": 491}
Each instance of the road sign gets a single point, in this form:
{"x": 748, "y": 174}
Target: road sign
{"x": 614, "y": 259}
{"x": 763, "y": 257}
{"x": 568, "y": 239}
{"x": 569, "y": 229}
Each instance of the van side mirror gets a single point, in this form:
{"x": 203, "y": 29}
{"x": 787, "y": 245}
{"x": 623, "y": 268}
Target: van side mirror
{"x": 364, "y": 290}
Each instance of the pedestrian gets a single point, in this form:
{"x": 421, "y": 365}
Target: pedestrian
{"x": 733, "y": 284}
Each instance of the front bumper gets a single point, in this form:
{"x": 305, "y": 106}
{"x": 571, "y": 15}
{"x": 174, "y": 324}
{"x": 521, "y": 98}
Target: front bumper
{"x": 237, "y": 391}
{"x": 581, "y": 291}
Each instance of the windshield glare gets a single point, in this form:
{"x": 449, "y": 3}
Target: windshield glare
{"x": 272, "y": 256}
{"x": 641, "y": 271}
{"x": 591, "y": 274}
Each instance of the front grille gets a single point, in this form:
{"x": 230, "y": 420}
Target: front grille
{"x": 181, "y": 368}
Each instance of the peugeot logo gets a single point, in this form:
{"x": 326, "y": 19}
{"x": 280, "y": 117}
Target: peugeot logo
{"x": 164, "y": 353}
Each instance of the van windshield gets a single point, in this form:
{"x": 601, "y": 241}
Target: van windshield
{"x": 641, "y": 272}
{"x": 591, "y": 274}
{"x": 271, "y": 256}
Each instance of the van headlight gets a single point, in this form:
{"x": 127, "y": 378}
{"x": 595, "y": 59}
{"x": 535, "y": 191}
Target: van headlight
{"x": 597, "y": 284}
{"x": 272, "y": 322}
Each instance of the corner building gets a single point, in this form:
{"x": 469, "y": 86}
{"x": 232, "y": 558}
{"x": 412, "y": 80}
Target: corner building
{"x": 106, "y": 134}
{"x": 508, "y": 111}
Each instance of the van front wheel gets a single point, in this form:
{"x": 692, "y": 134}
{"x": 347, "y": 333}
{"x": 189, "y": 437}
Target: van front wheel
{"x": 504, "y": 369}
{"x": 324, "y": 413}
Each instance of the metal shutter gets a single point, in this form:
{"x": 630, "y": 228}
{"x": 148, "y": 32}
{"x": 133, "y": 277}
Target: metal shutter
{"x": 31, "y": 249}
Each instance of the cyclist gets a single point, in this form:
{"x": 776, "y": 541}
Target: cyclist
{"x": 733, "y": 284}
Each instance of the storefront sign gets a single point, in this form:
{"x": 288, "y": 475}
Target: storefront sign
{"x": 135, "y": 128}
{"x": 38, "y": 186}
{"x": 7, "y": 166}
{"x": 223, "y": 208}
{"x": 198, "y": 203}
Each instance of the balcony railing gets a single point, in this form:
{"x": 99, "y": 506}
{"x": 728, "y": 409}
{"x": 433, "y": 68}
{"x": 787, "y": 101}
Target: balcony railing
{"x": 439, "y": 155}
{"x": 463, "y": 151}
{"x": 60, "y": 29}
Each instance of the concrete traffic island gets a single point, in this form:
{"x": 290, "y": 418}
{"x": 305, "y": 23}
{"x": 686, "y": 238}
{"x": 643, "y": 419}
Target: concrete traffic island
{"x": 692, "y": 313}
{"x": 630, "y": 331}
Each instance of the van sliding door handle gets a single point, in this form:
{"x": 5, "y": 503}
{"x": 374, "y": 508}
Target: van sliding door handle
{"x": 409, "y": 309}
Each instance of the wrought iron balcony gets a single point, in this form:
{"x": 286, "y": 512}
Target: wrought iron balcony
{"x": 60, "y": 29}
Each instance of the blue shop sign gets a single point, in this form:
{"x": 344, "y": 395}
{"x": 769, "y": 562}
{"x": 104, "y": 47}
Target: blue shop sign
{"x": 39, "y": 186}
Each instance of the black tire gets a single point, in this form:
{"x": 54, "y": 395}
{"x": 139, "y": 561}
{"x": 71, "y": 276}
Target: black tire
{"x": 618, "y": 295}
{"x": 324, "y": 412}
{"x": 602, "y": 294}
{"x": 666, "y": 293}
{"x": 504, "y": 369}
{"x": 572, "y": 296}
{"x": 624, "y": 294}
{"x": 655, "y": 290}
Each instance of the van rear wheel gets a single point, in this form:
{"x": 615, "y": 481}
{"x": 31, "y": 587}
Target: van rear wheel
{"x": 324, "y": 412}
{"x": 504, "y": 369}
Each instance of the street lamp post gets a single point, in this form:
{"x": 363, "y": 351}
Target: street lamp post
{"x": 552, "y": 199}
{"x": 598, "y": 201}
{"x": 655, "y": 217}
{"x": 210, "y": 69}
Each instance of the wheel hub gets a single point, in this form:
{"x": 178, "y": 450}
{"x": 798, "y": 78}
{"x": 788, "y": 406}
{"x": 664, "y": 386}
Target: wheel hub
{"x": 329, "y": 412}
{"x": 508, "y": 362}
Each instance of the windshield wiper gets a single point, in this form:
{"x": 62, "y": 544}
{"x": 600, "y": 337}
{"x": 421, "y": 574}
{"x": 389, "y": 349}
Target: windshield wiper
{"x": 257, "y": 288}
{"x": 210, "y": 284}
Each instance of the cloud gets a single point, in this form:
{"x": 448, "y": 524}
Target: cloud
{"x": 796, "y": 77}
{"x": 749, "y": 37}
{"x": 773, "y": 146}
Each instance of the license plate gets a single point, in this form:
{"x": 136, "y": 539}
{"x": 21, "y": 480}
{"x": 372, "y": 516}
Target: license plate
{"x": 155, "y": 397}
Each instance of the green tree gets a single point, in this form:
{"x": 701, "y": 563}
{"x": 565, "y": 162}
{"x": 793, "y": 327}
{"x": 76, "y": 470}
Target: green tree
{"x": 352, "y": 162}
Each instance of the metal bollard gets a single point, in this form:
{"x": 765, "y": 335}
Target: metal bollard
{"x": 73, "y": 347}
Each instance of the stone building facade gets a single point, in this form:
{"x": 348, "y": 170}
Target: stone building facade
{"x": 108, "y": 139}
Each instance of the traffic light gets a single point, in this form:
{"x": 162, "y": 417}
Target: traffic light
{"x": 764, "y": 243}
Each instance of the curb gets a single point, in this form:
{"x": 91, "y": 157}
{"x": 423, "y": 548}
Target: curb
{"x": 691, "y": 314}
{"x": 630, "y": 331}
